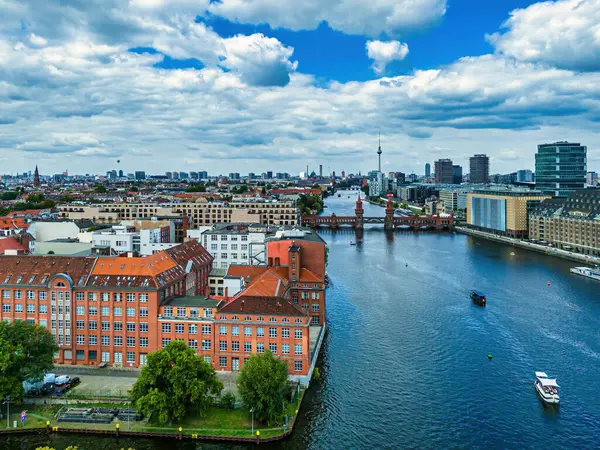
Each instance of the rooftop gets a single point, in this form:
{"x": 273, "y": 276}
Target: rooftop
{"x": 189, "y": 300}
{"x": 263, "y": 305}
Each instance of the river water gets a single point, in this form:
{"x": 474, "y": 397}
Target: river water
{"x": 405, "y": 362}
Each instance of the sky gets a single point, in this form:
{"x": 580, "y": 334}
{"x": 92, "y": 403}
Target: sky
{"x": 256, "y": 85}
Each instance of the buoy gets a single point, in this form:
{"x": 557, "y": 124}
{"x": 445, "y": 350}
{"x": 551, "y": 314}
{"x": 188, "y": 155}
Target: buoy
{"x": 490, "y": 356}
{"x": 406, "y": 264}
{"x": 548, "y": 283}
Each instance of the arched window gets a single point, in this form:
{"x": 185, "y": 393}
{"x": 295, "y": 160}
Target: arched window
{"x": 60, "y": 284}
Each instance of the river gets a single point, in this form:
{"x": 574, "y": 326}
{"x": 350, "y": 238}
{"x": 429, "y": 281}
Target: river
{"x": 405, "y": 364}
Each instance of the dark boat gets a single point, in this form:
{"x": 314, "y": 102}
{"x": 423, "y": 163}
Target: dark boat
{"x": 478, "y": 297}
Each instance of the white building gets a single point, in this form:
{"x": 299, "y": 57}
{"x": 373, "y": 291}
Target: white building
{"x": 118, "y": 239}
{"x": 376, "y": 184}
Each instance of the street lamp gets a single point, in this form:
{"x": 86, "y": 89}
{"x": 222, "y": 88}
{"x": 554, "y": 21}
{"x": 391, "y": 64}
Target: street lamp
{"x": 252, "y": 411}
{"x": 7, "y": 401}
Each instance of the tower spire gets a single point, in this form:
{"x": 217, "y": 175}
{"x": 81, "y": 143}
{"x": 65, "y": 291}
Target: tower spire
{"x": 379, "y": 152}
{"x": 36, "y": 177}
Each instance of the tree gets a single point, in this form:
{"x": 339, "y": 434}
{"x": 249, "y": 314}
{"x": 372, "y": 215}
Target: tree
{"x": 228, "y": 400}
{"x": 395, "y": 204}
{"x": 262, "y": 385}
{"x": 174, "y": 380}
{"x": 100, "y": 189}
{"x": 404, "y": 205}
{"x": 26, "y": 353}
{"x": 195, "y": 188}
{"x": 365, "y": 189}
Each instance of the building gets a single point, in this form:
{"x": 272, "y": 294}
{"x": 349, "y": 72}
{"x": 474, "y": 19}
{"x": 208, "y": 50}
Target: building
{"x": 269, "y": 212}
{"x": 10, "y": 246}
{"x": 203, "y": 175}
{"x": 525, "y": 176}
{"x": 560, "y": 168}
{"x": 571, "y": 223}
{"x": 450, "y": 200}
{"x": 479, "y": 169}
{"x": 444, "y": 171}
{"x": 591, "y": 179}
{"x": 140, "y": 175}
{"x": 377, "y": 184}
{"x": 427, "y": 170}
{"x": 504, "y": 211}
{"x": 457, "y": 174}
{"x": 36, "y": 177}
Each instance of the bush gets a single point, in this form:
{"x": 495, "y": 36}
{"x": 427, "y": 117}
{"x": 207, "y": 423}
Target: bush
{"x": 228, "y": 400}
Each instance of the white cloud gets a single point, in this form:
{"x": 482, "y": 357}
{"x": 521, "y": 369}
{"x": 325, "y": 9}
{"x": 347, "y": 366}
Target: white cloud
{"x": 383, "y": 53}
{"x": 370, "y": 18}
{"x": 563, "y": 33}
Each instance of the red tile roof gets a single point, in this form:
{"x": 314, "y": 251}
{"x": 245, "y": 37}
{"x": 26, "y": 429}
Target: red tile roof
{"x": 10, "y": 244}
{"x": 248, "y": 304}
{"x": 38, "y": 270}
{"x": 272, "y": 283}
{"x": 9, "y": 223}
{"x": 249, "y": 273}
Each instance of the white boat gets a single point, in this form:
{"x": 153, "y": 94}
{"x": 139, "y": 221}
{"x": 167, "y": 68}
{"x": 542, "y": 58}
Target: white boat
{"x": 352, "y": 243}
{"x": 586, "y": 272}
{"x": 547, "y": 388}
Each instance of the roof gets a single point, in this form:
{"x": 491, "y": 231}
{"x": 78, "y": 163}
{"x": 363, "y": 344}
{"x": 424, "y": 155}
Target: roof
{"x": 548, "y": 382}
{"x": 38, "y": 270}
{"x": 263, "y": 305}
{"x": 189, "y": 251}
{"x": 10, "y": 244}
{"x": 307, "y": 275}
{"x": 272, "y": 283}
{"x": 10, "y": 223}
{"x": 479, "y": 293}
{"x": 215, "y": 272}
{"x": 246, "y": 271}
{"x": 189, "y": 300}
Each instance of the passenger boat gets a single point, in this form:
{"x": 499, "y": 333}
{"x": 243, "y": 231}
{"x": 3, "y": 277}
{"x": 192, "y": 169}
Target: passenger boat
{"x": 352, "y": 243}
{"x": 586, "y": 272}
{"x": 478, "y": 297}
{"x": 547, "y": 388}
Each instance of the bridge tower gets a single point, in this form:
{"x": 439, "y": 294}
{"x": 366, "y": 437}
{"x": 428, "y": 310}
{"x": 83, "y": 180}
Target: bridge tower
{"x": 334, "y": 222}
{"x": 389, "y": 214}
{"x": 359, "y": 214}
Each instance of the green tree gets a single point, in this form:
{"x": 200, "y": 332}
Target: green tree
{"x": 26, "y": 353}
{"x": 228, "y": 400}
{"x": 100, "y": 189}
{"x": 262, "y": 385}
{"x": 195, "y": 188}
{"x": 365, "y": 189}
{"x": 10, "y": 195}
{"x": 404, "y": 205}
{"x": 174, "y": 380}
{"x": 395, "y": 204}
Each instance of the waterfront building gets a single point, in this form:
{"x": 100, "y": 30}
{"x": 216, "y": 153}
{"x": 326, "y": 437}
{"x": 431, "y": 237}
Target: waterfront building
{"x": 427, "y": 170}
{"x": 504, "y": 211}
{"x": 570, "y": 223}
{"x": 479, "y": 169}
{"x": 525, "y": 176}
{"x": 449, "y": 199}
{"x": 377, "y": 184}
{"x": 560, "y": 168}
{"x": 444, "y": 171}
{"x": 268, "y": 212}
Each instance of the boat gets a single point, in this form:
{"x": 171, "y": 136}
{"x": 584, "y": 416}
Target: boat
{"x": 547, "y": 388}
{"x": 352, "y": 243}
{"x": 478, "y": 297}
{"x": 589, "y": 272}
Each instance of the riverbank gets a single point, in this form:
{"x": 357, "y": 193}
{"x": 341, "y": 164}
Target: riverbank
{"x": 551, "y": 251}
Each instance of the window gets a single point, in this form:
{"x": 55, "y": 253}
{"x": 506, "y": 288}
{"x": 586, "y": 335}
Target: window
{"x": 260, "y": 347}
{"x": 30, "y": 308}
{"x": 168, "y": 311}
{"x": 205, "y": 329}
{"x": 315, "y": 320}
{"x": 247, "y": 347}
{"x": 179, "y": 328}
{"x": 118, "y": 326}
{"x": 43, "y": 309}
{"x": 273, "y": 347}
{"x": 297, "y": 333}
{"x": 92, "y": 325}
{"x": 19, "y": 295}
{"x": 118, "y": 341}
{"x": 130, "y": 326}
{"x": 105, "y": 296}
{"x": 244, "y": 238}
{"x": 285, "y": 333}
{"x": 260, "y": 332}
{"x": 285, "y": 349}
{"x": 117, "y": 311}
{"x": 80, "y": 310}
{"x": 234, "y": 256}
{"x": 298, "y": 366}
{"x": 194, "y": 313}
{"x": 206, "y": 344}
{"x": 130, "y": 341}
{"x": 144, "y": 342}
{"x": 5, "y": 307}
{"x": 18, "y": 307}
{"x": 272, "y": 319}
{"x": 80, "y": 296}
{"x": 130, "y": 312}
{"x": 223, "y": 330}
{"x": 93, "y": 339}
{"x": 92, "y": 296}
{"x": 315, "y": 307}
{"x": 80, "y": 324}
{"x": 260, "y": 319}
{"x": 131, "y": 357}
{"x": 193, "y": 343}
{"x": 235, "y": 346}
{"x": 105, "y": 310}
{"x": 298, "y": 320}
{"x": 223, "y": 346}
{"x": 235, "y": 331}
{"x": 315, "y": 296}
{"x": 43, "y": 295}
{"x": 143, "y": 327}
{"x": 234, "y": 247}
{"x": 30, "y": 295}
{"x": 80, "y": 339}
{"x": 247, "y": 331}
{"x": 285, "y": 320}
{"x": 272, "y": 332}
{"x": 130, "y": 297}
{"x": 143, "y": 312}
{"x": 166, "y": 327}
{"x": 6, "y": 293}
{"x": 298, "y": 349}
{"x": 223, "y": 255}
{"x": 214, "y": 246}
{"x": 244, "y": 246}
{"x": 208, "y": 313}
{"x": 143, "y": 298}
{"x": 193, "y": 329}
{"x": 106, "y": 340}
{"x": 165, "y": 342}
{"x": 222, "y": 361}
{"x": 105, "y": 326}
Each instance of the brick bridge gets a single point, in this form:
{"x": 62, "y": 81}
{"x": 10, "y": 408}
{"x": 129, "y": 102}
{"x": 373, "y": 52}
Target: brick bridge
{"x": 390, "y": 221}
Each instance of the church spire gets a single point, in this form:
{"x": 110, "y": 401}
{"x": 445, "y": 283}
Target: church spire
{"x": 36, "y": 177}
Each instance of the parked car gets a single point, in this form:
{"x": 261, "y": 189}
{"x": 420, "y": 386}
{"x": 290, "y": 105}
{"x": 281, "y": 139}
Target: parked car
{"x": 73, "y": 382}
{"x": 62, "y": 379}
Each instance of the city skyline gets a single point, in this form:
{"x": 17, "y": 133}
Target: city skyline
{"x": 220, "y": 81}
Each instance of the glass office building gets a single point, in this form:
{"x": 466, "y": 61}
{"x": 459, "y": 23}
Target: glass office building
{"x": 560, "y": 168}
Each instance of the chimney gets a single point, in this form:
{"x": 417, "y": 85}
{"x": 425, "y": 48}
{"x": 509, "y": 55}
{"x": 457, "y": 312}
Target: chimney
{"x": 242, "y": 306}
{"x": 226, "y": 295}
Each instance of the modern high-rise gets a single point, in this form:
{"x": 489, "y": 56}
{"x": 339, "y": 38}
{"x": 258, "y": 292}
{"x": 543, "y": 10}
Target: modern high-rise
{"x": 479, "y": 166}
{"x": 525, "y": 176}
{"x": 320, "y": 170}
{"x": 444, "y": 171}
{"x": 560, "y": 168}
{"x": 456, "y": 174}
{"x": 427, "y": 170}
{"x": 140, "y": 175}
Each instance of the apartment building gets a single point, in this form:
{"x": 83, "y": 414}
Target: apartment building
{"x": 270, "y": 212}
{"x": 235, "y": 243}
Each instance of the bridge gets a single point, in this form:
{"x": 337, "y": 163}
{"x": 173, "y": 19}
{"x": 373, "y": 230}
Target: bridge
{"x": 389, "y": 222}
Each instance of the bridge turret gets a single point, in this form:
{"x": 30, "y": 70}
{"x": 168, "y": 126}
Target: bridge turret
{"x": 359, "y": 214}
{"x": 389, "y": 214}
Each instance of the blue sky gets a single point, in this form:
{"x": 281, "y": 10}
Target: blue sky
{"x": 255, "y": 85}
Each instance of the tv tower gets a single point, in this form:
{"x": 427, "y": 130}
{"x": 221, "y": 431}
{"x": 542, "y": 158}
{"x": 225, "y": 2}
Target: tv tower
{"x": 379, "y": 152}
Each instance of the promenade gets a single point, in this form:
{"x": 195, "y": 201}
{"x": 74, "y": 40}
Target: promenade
{"x": 530, "y": 246}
